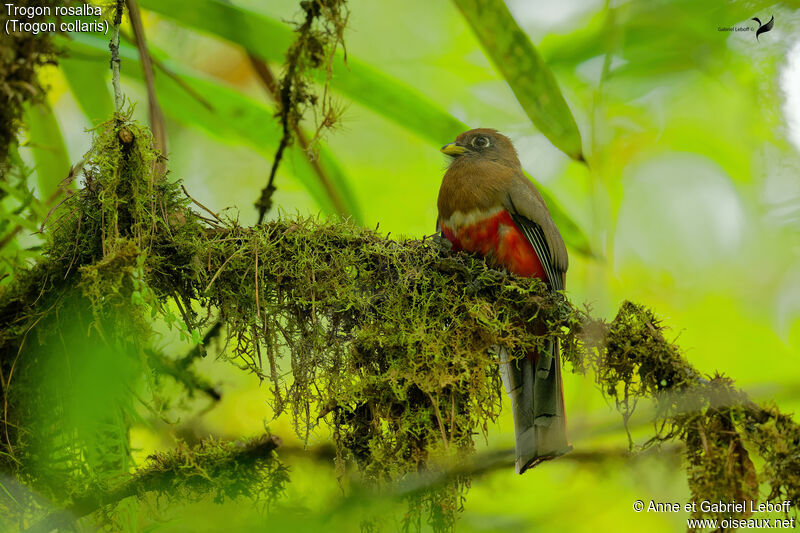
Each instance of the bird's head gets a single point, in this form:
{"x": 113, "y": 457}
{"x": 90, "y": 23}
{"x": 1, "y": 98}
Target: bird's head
{"x": 482, "y": 143}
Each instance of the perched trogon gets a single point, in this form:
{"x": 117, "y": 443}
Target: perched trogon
{"x": 487, "y": 206}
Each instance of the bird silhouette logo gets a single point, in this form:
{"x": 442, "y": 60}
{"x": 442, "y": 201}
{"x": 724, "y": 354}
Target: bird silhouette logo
{"x": 764, "y": 28}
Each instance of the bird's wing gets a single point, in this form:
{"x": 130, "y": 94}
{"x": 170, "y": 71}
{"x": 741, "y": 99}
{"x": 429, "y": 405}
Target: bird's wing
{"x": 529, "y": 211}
{"x": 535, "y": 235}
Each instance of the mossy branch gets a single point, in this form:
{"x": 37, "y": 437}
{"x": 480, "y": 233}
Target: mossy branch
{"x": 318, "y": 36}
{"x": 225, "y": 469}
{"x": 389, "y": 343}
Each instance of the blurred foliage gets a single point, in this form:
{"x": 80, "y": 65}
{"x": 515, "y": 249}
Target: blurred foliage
{"x": 21, "y": 55}
{"x": 689, "y": 194}
{"x": 531, "y": 80}
{"x": 48, "y": 149}
{"x": 226, "y": 470}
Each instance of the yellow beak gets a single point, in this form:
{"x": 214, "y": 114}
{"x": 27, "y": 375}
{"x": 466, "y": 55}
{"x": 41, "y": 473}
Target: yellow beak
{"x": 453, "y": 149}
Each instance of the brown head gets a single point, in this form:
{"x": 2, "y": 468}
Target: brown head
{"x": 485, "y": 176}
{"x": 483, "y": 168}
{"x": 482, "y": 144}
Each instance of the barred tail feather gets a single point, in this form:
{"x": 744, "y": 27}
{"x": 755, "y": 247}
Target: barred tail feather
{"x": 537, "y": 400}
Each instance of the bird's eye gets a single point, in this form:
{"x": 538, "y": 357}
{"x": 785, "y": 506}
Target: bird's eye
{"x": 480, "y": 142}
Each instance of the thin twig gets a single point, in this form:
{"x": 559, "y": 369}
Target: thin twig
{"x": 218, "y": 272}
{"x": 438, "y": 414}
{"x": 63, "y": 187}
{"x": 198, "y": 204}
{"x": 503, "y": 459}
{"x": 200, "y": 349}
{"x": 291, "y": 94}
{"x": 182, "y": 374}
{"x": 271, "y": 85}
{"x": 258, "y": 303}
{"x": 77, "y": 167}
{"x": 115, "y": 62}
{"x": 157, "y": 124}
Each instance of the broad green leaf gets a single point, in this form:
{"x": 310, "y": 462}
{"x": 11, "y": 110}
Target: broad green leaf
{"x": 391, "y": 98}
{"x": 530, "y": 79}
{"x": 234, "y": 118}
{"x": 260, "y": 35}
{"x": 269, "y": 39}
{"x": 48, "y": 148}
{"x": 87, "y": 80}
{"x": 394, "y": 100}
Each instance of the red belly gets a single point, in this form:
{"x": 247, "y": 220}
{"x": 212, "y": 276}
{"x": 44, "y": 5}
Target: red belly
{"x": 499, "y": 240}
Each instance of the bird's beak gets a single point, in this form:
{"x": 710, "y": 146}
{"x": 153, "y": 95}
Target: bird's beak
{"x": 453, "y": 149}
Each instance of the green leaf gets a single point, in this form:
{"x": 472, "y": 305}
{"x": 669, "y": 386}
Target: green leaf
{"x": 260, "y": 35}
{"x": 530, "y": 79}
{"x": 87, "y": 81}
{"x": 395, "y": 101}
{"x": 48, "y": 148}
{"x": 269, "y": 39}
{"x": 340, "y": 181}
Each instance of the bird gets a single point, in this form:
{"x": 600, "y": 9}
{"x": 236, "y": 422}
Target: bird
{"x": 487, "y": 206}
{"x": 763, "y": 28}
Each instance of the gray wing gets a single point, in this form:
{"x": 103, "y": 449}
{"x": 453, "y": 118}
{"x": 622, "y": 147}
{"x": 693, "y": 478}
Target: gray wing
{"x": 530, "y": 213}
{"x": 535, "y": 235}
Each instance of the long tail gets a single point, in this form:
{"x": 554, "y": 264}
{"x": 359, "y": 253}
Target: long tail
{"x": 537, "y": 399}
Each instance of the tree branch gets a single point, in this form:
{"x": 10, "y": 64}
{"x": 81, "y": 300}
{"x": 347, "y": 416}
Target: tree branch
{"x": 271, "y": 86}
{"x": 115, "y": 61}
{"x": 167, "y": 473}
{"x": 174, "y": 77}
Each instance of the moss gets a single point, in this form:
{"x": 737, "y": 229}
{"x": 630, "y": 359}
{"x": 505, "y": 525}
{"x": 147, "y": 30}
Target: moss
{"x": 719, "y": 467}
{"x": 776, "y": 438}
{"x": 387, "y": 343}
{"x": 224, "y": 470}
{"x": 86, "y": 298}
{"x": 716, "y": 421}
{"x": 317, "y": 38}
